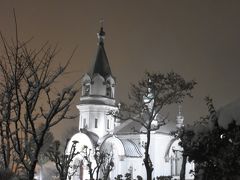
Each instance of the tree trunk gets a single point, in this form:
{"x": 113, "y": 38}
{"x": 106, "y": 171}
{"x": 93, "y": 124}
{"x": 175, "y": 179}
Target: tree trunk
{"x": 147, "y": 160}
{"x": 31, "y": 171}
{"x": 31, "y": 175}
{"x": 62, "y": 177}
{"x": 183, "y": 168}
{"x": 106, "y": 175}
{"x": 91, "y": 176}
{"x": 90, "y": 171}
{"x": 97, "y": 173}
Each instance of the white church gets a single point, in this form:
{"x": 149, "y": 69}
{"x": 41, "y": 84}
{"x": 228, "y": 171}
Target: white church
{"x": 116, "y": 137}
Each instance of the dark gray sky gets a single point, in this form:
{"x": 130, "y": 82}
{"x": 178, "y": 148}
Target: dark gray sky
{"x": 198, "y": 39}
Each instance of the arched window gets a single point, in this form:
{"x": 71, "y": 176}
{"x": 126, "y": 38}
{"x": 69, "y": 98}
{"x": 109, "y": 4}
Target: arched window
{"x": 86, "y": 89}
{"x": 108, "y": 124}
{"x": 108, "y": 90}
{"x": 96, "y": 123}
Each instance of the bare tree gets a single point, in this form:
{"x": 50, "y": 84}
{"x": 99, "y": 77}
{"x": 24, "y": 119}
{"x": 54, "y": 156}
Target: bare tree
{"x": 102, "y": 160}
{"x": 28, "y": 99}
{"x": 87, "y": 154}
{"x": 147, "y": 99}
{"x": 107, "y": 166}
{"x": 62, "y": 160}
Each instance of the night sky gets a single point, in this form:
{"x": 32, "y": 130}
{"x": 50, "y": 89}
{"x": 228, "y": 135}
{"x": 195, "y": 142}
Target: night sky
{"x": 198, "y": 39}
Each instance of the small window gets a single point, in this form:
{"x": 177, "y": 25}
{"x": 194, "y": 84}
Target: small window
{"x": 108, "y": 124}
{"x": 86, "y": 89}
{"x": 84, "y": 123}
{"x": 96, "y": 123}
{"x": 108, "y": 90}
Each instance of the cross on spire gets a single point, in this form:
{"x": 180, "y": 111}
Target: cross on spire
{"x": 101, "y": 34}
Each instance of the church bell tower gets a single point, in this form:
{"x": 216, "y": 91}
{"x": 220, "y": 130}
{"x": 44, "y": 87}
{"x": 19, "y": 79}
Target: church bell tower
{"x": 98, "y": 94}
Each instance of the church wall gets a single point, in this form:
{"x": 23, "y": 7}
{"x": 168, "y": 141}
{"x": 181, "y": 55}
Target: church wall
{"x": 158, "y": 150}
{"x": 135, "y": 167}
{"x": 93, "y": 113}
{"x": 119, "y": 167}
{"x": 128, "y": 165}
{"x": 158, "y": 147}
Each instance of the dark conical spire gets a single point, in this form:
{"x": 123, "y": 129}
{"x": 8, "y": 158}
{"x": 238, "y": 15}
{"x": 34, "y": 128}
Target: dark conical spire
{"x": 101, "y": 65}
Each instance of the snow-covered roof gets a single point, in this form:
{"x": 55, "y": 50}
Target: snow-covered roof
{"x": 131, "y": 149}
{"x": 82, "y": 139}
{"x": 93, "y": 136}
{"x": 130, "y": 126}
{"x": 123, "y": 147}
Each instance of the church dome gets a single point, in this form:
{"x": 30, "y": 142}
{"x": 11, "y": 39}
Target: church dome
{"x": 82, "y": 139}
{"x": 124, "y": 147}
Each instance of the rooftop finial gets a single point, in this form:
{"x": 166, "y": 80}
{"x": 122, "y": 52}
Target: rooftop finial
{"x": 179, "y": 110}
{"x": 101, "y": 34}
{"x": 180, "y": 118}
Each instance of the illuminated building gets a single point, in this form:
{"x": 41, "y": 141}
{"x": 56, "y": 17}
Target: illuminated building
{"x": 117, "y": 138}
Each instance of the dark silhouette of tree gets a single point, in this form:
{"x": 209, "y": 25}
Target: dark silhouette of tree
{"x": 128, "y": 176}
{"x": 215, "y": 151}
{"x": 62, "y": 160}
{"x": 86, "y": 154}
{"x": 6, "y": 174}
{"x": 100, "y": 159}
{"x": 147, "y": 99}
{"x": 185, "y": 136}
{"x": 107, "y": 166}
{"x": 27, "y": 99}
